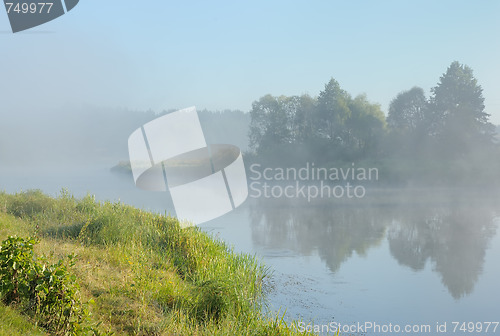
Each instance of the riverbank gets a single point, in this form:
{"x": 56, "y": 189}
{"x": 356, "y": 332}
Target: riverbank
{"x": 139, "y": 273}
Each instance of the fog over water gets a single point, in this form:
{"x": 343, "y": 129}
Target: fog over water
{"x": 398, "y": 254}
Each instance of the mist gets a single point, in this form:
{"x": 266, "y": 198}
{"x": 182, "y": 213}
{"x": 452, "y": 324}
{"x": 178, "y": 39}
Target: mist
{"x": 94, "y": 136}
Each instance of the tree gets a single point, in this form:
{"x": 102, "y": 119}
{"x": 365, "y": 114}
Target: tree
{"x": 333, "y": 111}
{"x": 457, "y": 107}
{"x": 407, "y": 112}
{"x": 366, "y": 124}
{"x": 266, "y": 119}
{"x": 272, "y": 120}
{"x": 304, "y": 119}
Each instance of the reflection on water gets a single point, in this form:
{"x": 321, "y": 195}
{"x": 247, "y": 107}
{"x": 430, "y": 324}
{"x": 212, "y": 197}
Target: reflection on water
{"x": 450, "y": 229}
{"x": 332, "y": 232}
{"x": 454, "y": 238}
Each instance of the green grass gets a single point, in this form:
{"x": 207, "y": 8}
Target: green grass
{"x": 12, "y": 323}
{"x": 141, "y": 272}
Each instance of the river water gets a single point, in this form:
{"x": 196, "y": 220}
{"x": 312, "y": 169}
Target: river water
{"x": 401, "y": 258}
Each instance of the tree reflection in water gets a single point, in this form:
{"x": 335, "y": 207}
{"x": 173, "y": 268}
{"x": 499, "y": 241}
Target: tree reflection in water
{"x": 450, "y": 229}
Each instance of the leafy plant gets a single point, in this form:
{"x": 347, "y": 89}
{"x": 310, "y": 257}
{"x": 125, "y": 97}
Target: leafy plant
{"x": 49, "y": 294}
{"x": 16, "y": 268}
{"x": 54, "y": 297}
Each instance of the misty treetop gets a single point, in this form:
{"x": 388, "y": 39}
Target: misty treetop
{"x": 453, "y": 119}
{"x": 451, "y": 127}
{"x": 407, "y": 112}
{"x": 458, "y": 107}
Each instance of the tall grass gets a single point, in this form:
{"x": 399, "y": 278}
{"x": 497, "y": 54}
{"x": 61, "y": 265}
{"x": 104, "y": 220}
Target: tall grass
{"x": 12, "y": 323}
{"x": 144, "y": 273}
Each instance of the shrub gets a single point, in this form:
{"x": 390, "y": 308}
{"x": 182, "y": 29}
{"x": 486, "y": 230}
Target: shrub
{"x": 49, "y": 294}
{"x": 16, "y": 268}
{"x": 54, "y": 298}
{"x": 29, "y": 203}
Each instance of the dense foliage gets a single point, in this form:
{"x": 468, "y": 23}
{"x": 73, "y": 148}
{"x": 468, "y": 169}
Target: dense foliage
{"x": 442, "y": 139}
{"x": 324, "y": 127}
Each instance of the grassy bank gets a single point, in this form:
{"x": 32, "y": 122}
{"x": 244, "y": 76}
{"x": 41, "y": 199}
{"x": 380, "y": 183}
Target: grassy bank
{"x": 138, "y": 273}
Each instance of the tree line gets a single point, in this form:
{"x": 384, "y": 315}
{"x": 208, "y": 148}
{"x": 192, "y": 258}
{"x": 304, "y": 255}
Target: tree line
{"x": 323, "y": 126}
{"x": 449, "y": 128}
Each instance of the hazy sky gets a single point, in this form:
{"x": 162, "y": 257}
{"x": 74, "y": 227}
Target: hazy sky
{"x": 217, "y": 55}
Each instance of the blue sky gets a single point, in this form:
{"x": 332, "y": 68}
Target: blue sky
{"x": 217, "y": 55}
